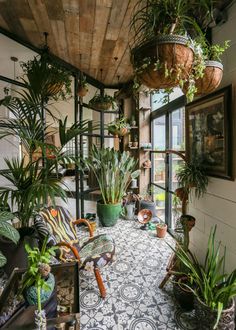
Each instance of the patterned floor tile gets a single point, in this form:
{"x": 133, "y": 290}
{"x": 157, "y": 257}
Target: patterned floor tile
{"x": 134, "y": 300}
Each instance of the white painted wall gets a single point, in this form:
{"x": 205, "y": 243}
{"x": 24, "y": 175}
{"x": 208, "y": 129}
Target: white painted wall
{"x": 218, "y": 206}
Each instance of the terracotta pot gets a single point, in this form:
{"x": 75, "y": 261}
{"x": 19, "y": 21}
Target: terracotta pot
{"x": 118, "y": 132}
{"x": 207, "y": 317}
{"x": 161, "y": 230}
{"x": 173, "y": 52}
{"x": 82, "y": 91}
{"x": 181, "y": 194}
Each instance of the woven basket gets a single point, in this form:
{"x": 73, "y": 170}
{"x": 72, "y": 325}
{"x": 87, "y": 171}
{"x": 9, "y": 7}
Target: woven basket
{"x": 118, "y": 132}
{"x": 53, "y": 89}
{"x": 173, "y": 52}
{"x": 102, "y": 105}
{"x": 212, "y": 77}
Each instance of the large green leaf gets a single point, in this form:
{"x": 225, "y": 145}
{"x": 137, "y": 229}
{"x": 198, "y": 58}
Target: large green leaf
{"x": 8, "y": 231}
{"x": 6, "y": 216}
{"x": 3, "y": 260}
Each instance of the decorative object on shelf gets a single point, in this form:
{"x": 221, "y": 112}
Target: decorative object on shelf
{"x": 130, "y": 144}
{"x": 213, "y": 287}
{"x": 147, "y": 164}
{"x": 209, "y": 133}
{"x": 161, "y": 229}
{"x": 119, "y": 127}
{"x": 133, "y": 121}
{"x": 102, "y": 102}
{"x": 146, "y": 145}
{"x": 134, "y": 184}
{"x": 82, "y": 86}
{"x": 144, "y": 216}
{"x": 114, "y": 171}
{"x": 135, "y": 142}
{"x": 38, "y": 281}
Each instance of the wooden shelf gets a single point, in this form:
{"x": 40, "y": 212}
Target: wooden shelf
{"x": 133, "y": 127}
{"x": 145, "y": 109}
{"x": 133, "y": 148}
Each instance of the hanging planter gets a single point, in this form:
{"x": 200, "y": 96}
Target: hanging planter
{"x": 119, "y": 127}
{"x": 82, "y": 87}
{"x": 102, "y": 102}
{"x": 163, "y": 62}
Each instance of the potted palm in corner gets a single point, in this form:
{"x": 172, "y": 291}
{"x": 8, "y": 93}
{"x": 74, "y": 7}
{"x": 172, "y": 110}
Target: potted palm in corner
{"x": 114, "y": 171}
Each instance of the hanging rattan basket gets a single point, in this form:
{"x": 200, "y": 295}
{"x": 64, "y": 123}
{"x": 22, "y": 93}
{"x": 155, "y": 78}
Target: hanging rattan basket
{"x": 174, "y": 54}
{"x": 213, "y": 74}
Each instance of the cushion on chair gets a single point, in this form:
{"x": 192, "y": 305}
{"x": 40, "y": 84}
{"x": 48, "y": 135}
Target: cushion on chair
{"x": 97, "y": 252}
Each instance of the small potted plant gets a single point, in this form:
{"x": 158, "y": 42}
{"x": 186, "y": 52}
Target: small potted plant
{"x": 102, "y": 102}
{"x": 82, "y": 87}
{"x": 38, "y": 281}
{"x": 135, "y": 142}
{"x": 161, "y": 229}
{"x": 129, "y": 202}
{"x": 119, "y": 127}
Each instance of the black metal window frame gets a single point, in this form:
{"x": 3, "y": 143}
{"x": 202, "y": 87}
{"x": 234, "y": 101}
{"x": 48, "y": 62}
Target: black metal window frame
{"x": 166, "y": 111}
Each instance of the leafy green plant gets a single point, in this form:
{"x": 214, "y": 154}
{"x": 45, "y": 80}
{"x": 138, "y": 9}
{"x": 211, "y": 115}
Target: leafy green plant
{"x": 46, "y": 79}
{"x": 83, "y": 82}
{"x": 192, "y": 175}
{"x": 117, "y": 125}
{"x": 38, "y": 269}
{"x": 209, "y": 281}
{"x": 114, "y": 171}
{"x": 102, "y": 99}
{"x": 8, "y": 231}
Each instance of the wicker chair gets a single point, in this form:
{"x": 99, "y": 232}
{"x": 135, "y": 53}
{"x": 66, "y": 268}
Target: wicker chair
{"x": 92, "y": 253}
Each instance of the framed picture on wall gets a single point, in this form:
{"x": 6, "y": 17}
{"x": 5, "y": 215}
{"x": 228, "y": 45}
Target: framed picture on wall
{"x": 209, "y": 133}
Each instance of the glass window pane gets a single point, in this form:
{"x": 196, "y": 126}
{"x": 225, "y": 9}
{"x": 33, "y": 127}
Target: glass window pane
{"x": 159, "y": 169}
{"x": 177, "y": 92}
{"x": 175, "y": 162}
{"x": 178, "y": 129}
{"x": 158, "y": 100}
{"x": 159, "y": 133}
{"x": 159, "y": 198}
{"x": 176, "y": 208}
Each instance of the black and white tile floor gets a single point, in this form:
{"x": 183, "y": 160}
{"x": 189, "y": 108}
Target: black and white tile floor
{"x": 133, "y": 301}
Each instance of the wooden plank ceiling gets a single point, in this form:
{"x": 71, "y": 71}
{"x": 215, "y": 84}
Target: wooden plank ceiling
{"x": 96, "y": 29}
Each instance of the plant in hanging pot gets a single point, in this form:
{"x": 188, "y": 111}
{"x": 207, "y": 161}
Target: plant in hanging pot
{"x": 102, "y": 102}
{"x": 163, "y": 54}
{"x": 213, "y": 288}
{"x": 82, "y": 86}
{"x": 38, "y": 281}
{"x": 119, "y": 127}
{"x": 207, "y": 69}
{"x": 114, "y": 171}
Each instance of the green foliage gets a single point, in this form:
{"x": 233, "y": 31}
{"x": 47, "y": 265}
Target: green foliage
{"x": 46, "y": 79}
{"x": 211, "y": 285}
{"x": 36, "y": 258}
{"x": 8, "y": 231}
{"x": 83, "y": 82}
{"x": 115, "y": 126}
{"x": 192, "y": 175}
{"x": 114, "y": 171}
{"x": 98, "y": 99}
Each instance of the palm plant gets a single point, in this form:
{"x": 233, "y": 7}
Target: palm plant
{"x": 114, "y": 171}
{"x": 210, "y": 283}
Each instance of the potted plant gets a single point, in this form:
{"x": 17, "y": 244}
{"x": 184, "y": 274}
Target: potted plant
{"x": 82, "y": 87}
{"x": 213, "y": 288}
{"x": 163, "y": 55}
{"x": 147, "y": 202}
{"x": 119, "y": 127}
{"x": 191, "y": 175}
{"x": 46, "y": 78}
{"x": 102, "y": 102}
{"x": 114, "y": 171}
{"x": 38, "y": 281}
{"x": 207, "y": 69}
{"x": 129, "y": 202}
{"x": 7, "y": 231}
{"x": 161, "y": 229}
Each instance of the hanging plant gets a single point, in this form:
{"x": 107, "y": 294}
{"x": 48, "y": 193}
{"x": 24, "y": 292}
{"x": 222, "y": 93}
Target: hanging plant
{"x": 102, "y": 102}
{"x": 46, "y": 79}
{"x": 82, "y": 87}
{"x": 119, "y": 127}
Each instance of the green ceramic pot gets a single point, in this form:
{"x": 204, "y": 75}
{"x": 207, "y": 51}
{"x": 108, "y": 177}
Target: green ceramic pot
{"x": 108, "y": 213}
{"x": 30, "y": 293}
